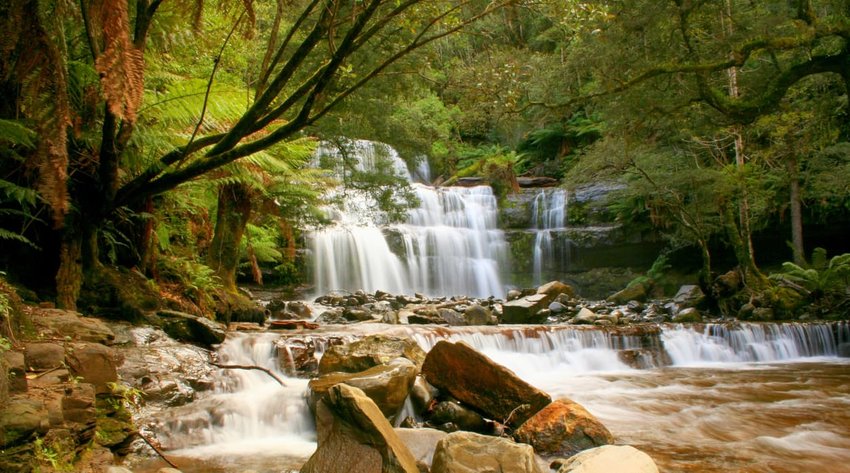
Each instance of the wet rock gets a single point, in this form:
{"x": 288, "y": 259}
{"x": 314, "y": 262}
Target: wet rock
{"x": 554, "y": 289}
{"x": 609, "y": 459}
{"x": 192, "y": 329}
{"x": 112, "y": 432}
{"x": 331, "y": 317}
{"x": 421, "y": 394}
{"x": 688, "y": 315}
{"x": 44, "y": 356}
{"x": 297, "y": 356}
{"x": 57, "y": 323}
{"x": 525, "y": 310}
{"x": 20, "y": 419}
{"x": 357, "y": 314}
{"x": 421, "y": 442}
{"x": 368, "y": 352}
{"x": 300, "y": 309}
{"x": 387, "y": 385}
{"x": 353, "y": 436}
{"x": 93, "y": 363}
{"x": 78, "y": 403}
{"x": 451, "y": 317}
{"x": 480, "y": 383}
{"x": 563, "y": 428}
{"x": 513, "y": 294}
{"x": 451, "y": 412}
{"x": 467, "y": 452}
{"x": 635, "y": 292}
{"x": 557, "y": 308}
{"x": 292, "y": 325}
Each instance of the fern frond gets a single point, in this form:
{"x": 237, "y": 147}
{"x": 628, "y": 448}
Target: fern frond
{"x": 9, "y": 235}
{"x": 13, "y": 132}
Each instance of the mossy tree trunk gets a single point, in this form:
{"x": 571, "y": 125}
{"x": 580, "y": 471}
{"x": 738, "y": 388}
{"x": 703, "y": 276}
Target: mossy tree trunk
{"x": 796, "y": 213}
{"x": 234, "y": 210}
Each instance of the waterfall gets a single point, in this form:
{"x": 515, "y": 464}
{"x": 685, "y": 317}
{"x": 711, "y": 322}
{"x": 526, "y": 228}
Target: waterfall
{"x": 548, "y": 211}
{"x": 248, "y": 412}
{"x": 448, "y": 245}
{"x": 718, "y": 343}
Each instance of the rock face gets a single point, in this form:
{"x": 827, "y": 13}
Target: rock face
{"x": 386, "y": 385}
{"x": 563, "y": 428}
{"x": 422, "y": 443}
{"x": 474, "y": 379}
{"x": 44, "y": 356}
{"x": 20, "y": 419}
{"x": 370, "y": 351}
{"x": 610, "y": 459}
{"x": 57, "y": 323}
{"x": 353, "y": 436}
{"x": 466, "y": 452}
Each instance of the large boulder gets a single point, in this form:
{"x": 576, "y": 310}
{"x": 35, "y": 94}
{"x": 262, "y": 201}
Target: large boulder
{"x": 634, "y": 292}
{"x": 446, "y": 412}
{"x": 609, "y": 459}
{"x": 192, "y": 329}
{"x": 467, "y": 452}
{"x": 554, "y": 289}
{"x": 689, "y": 295}
{"x": 478, "y": 315}
{"x": 353, "y": 436}
{"x": 480, "y": 383}
{"x": 563, "y": 428}
{"x": 525, "y": 310}
{"x": 370, "y": 351}
{"x": 94, "y": 363}
{"x": 387, "y": 385}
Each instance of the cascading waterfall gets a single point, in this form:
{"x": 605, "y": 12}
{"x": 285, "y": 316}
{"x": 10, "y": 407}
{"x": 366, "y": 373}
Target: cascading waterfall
{"x": 249, "y": 412}
{"x": 449, "y": 244}
{"x": 548, "y": 211}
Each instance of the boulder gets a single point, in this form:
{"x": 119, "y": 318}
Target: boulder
{"x": 513, "y": 294}
{"x": 421, "y": 394}
{"x": 688, "y": 315}
{"x": 353, "y": 436}
{"x": 634, "y": 292}
{"x": 192, "y": 329}
{"x": 525, "y": 309}
{"x": 763, "y": 314}
{"x": 585, "y": 316}
{"x": 557, "y": 308}
{"x": 451, "y": 412}
{"x": 44, "y": 356}
{"x": 563, "y": 428}
{"x": 94, "y": 363}
{"x": 452, "y": 317}
{"x": 467, "y": 452}
{"x": 387, "y": 385}
{"x": 58, "y": 323}
{"x": 689, "y": 295}
{"x": 480, "y": 383}
{"x": 478, "y": 315}
{"x": 78, "y": 403}
{"x": 368, "y": 352}
{"x": 20, "y": 419}
{"x": 357, "y": 314}
{"x": 421, "y": 442}
{"x": 609, "y": 459}
{"x": 554, "y": 289}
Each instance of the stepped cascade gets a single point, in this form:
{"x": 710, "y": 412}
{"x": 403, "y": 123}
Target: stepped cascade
{"x": 449, "y": 243}
{"x": 548, "y": 213}
{"x": 671, "y": 379}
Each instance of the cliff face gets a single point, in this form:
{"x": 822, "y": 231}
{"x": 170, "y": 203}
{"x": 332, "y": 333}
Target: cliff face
{"x": 590, "y": 249}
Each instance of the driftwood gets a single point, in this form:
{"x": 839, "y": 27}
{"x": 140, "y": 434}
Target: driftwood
{"x": 157, "y": 450}
{"x": 250, "y": 367}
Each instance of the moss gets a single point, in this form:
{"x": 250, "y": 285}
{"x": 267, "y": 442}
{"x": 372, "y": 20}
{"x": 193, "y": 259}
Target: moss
{"x": 118, "y": 293}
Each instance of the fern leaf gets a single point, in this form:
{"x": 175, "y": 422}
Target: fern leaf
{"x": 12, "y": 132}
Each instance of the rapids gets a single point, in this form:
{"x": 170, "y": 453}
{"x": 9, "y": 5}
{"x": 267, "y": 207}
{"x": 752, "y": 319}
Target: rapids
{"x": 745, "y": 398}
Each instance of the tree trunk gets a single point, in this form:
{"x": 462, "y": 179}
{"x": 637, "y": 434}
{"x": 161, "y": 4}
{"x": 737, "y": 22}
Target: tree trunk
{"x": 69, "y": 277}
{"x": 234, "y": 210}
{"x": 796, "y": 214}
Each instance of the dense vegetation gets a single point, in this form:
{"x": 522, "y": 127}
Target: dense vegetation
{"x": 172, "y": 141}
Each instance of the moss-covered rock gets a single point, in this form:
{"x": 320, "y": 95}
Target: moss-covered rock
{"x": 118, "y": 293}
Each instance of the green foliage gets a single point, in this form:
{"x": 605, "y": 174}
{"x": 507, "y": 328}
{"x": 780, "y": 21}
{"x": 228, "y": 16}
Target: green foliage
{"x": 822, "y": 280}
{"x": 552, "y": 150}
{"x": 659, "y": 268}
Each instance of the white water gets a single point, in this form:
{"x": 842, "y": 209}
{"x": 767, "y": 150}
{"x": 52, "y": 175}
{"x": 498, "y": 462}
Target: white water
{"x": 449, "y": 244}
{"x": 249, "y": 416}
{"x": 548, "y": 212}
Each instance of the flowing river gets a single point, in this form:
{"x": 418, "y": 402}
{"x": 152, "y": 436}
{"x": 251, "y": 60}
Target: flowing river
{"x": 756, "y": 398}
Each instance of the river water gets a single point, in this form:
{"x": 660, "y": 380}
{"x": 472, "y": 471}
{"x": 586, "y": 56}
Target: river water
{"x": 757, "y": 398}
